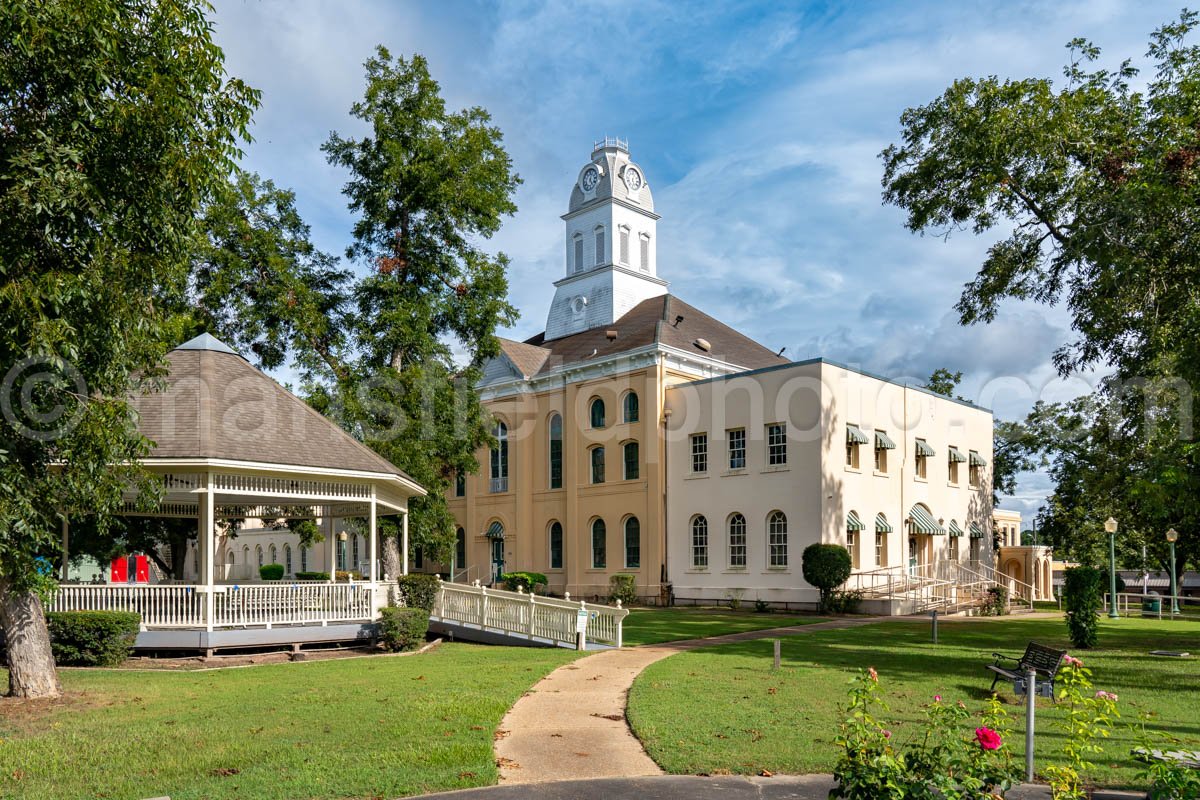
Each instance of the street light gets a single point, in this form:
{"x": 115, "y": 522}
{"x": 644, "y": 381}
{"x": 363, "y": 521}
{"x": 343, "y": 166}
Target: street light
{"x": 1172, "y": 536}
{"x": 1110, "y": 525}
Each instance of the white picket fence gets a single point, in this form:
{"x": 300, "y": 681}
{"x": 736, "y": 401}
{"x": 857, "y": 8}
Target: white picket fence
{"x": 547, "y": 620}
{"x": 240, "y": 606}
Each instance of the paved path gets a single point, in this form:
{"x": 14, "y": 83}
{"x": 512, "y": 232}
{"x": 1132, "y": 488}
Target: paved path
{"x": 571, "y": 724}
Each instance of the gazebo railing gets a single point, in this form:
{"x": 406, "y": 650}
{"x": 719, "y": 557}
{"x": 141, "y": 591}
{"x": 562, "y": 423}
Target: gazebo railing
{"x": 236, "y": 606}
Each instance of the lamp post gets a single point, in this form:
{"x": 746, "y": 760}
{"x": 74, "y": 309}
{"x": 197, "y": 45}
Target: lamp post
{"x": 1172, "y": 536}
{"x": 1110, "y": 525}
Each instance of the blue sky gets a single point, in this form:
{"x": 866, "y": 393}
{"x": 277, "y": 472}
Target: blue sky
{"x": 758, "y": 126}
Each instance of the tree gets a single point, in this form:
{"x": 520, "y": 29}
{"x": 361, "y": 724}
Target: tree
{"x": 426, "y": 185}
{"x": 825, "y": 566}
{"x": 1094, "y": 186}
{"x": 116, "y": 121}
{"x": 942, "y": 381}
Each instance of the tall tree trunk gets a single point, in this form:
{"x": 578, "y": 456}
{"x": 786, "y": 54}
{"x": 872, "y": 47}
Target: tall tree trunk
{"x": 179, "y": 543}
{"x": 31, "y": 670}
{"x": 391, "y": 556}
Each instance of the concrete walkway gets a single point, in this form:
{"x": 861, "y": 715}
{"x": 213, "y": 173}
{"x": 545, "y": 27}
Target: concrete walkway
{"x": 571, "y": 724}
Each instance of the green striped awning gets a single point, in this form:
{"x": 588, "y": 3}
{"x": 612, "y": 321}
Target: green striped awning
{"x": 854, "y": 435}
{"x": 977, "y": 460}
{"x": 976, "y": 531}
{"x": 923, "y": 522}
{"x": 495, "y": 530}
{"x": 954, "y": 529}
{"x": 881, "y": 524}
{"x": 923, "y": 448}
{"x": 883, "y": 441}
{"x": 956, "y": 455}
{"x": 853, "y": 523}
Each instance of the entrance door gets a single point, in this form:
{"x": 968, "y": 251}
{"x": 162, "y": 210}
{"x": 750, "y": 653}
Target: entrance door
{"x": 497, "y": 559}
{"x": 912, "y": 555}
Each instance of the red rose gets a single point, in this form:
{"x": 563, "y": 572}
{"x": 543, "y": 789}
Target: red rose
{"x": 988, "y": 739}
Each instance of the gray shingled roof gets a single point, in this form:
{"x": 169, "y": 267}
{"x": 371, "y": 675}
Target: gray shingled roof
{"x": 653, "y": 322}
{"x": 217, "y": 405}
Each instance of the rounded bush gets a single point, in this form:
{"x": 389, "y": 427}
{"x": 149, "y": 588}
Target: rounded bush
{"x": 825, "y": 566}
{"x": 528, "y": 581}
{"x": 402, "y": 628}
{"x": 418, "y": 590}
{"x": 271, "y": 572}
{"x": 92, "y": 638}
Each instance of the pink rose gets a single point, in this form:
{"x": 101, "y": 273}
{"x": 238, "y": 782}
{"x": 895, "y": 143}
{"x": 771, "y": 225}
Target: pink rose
{"x": 887, "y": 734}
{"x": 874, "y": 675}
{"x": 937, "y": 698}
{"x": 1072, "y": 661}
{"x": 1103, "y": 695}
{"x": 988, "y": 739}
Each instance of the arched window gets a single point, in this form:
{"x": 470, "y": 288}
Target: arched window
{"x": 556, "y": 452}
{"x": 599, "y": 544}
{"x": 229, "y": 559}
{"x": 499, "y": 465}
{"x": 624, "y": 244}
{"x": 596, "y": 412}
{"x": 274, "y": 555}
{"x": 699, "y": 542}
{"x": 599, "y": 245}
{"x": 737, "y": 540}
{"x": 245, "y": 557}
{"x": 304, "y": 559}
{"x": 597, "y": 464}
{"x": 629, "y": 452}
{"x": 777, "y": 539}
{"x": 629, "y": 407}
{"x": 460, "y": 549}
{"x": 633, "y": 543}
{"x": 556, "y": 545}
{"x": 287, "y": 559}
{"x": 578, "y": 242}
{"x": 258, "y": 554}
{"x": 354, "y": 553}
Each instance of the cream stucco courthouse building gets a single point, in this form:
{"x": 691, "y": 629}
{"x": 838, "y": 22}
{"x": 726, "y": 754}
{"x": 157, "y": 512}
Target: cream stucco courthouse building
{"x": 637, "y": 435}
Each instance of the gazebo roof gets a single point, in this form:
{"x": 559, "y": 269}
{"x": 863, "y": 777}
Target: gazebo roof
{"x": 217, "y": 406}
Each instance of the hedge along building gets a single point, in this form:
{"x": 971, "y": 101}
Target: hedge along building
{"x": 575, "y": 488}
{"x": 229, "y": 443}
{"x": 764, "y": 463}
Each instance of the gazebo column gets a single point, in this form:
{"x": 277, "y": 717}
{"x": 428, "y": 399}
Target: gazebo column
{"x": 372, "y": 547}
{"x": 404, "y": 543}
{"x": 66, "y": 548}
{"x": 332, "y": 539}
{"x": 206, "y": 534}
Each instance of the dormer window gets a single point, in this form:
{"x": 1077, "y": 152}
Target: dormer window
{"x": 578, "y": 252}
{"x": 599, "y": 245}
{"x": 624, "y": 244}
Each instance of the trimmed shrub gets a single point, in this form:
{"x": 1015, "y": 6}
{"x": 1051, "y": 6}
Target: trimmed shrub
{"x": 312, "y": 576}
{"x": 402, "y": 628}
{"x": 92, "y": 638}
{"x": 1082, "y": 598}
{"x": 825, "y": 566}
{"x": 418, "y": 590}
{"x": 762, "y": 607}
{"x": 845, "y": 602}
{"x": 622, "y": 587}
{"x": 996, "y": 602}
{"x": 271, "y": 572}
{"x": 527, "y": 581}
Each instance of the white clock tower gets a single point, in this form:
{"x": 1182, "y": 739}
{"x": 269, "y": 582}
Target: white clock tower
{"x": 610, "y": 244}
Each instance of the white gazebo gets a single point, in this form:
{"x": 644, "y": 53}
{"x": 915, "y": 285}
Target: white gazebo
{"x": 231, "y": 443}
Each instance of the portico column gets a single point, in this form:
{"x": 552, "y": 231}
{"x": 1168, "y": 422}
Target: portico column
{"x": 66, "y": 550}
{"x": 372, "y": 548}
{"x": 207, "y": 535}
{"x": 332, "y": 547}
{"x": 404, "y": 543}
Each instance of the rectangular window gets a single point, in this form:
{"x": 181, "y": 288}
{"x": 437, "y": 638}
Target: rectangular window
{"x": 699, "y": 543}
{"x": 953, "y": 471}
{"x": 737, "y": 541}
{"x": 852, "y": 455}
{"x": 851, "y": 548}
{"x": 624, "y": 245}
{"x": 460, "y": 549}
{"x": 599, "y": 547}
{"x": 597, "y": 465}
{"x": 578, "y": 253}
{"x": 632, "y": 469}
{"x": 556, "y": 546}
{"x": 880, "y": 459}
{"x": 776, "y": 444}
{"x": 973, "y": 470}
{"x": 954, "y": 548}
{"x": 556, "y": 452}
{"x": 922, "y": 465}
{"x": 599, "y": 247}
{"x": 645, "y": 253}
{"x": 737, "y": 448}
{"x": 460, "y": 485}
{"x": 633, "y": 544}
{"x": 699, "y": 452}
{"x": 880, "y": 544}
{"x": 779, "y": 548}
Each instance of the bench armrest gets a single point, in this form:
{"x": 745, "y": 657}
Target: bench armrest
{"x": 1002, "y": 657}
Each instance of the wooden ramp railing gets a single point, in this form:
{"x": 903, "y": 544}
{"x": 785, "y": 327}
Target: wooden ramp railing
{"x": 528, "y": 617}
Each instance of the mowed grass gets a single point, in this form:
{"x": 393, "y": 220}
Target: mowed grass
{"x": 721, "y": 709}
{"x": 653, "y": 625}
{"x": 371, "y": 727}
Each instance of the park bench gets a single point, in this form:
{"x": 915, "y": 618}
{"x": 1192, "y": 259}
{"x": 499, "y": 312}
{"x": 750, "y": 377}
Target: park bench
{"x": 1045, "y": 661}
{"x": 1189, "y": 759}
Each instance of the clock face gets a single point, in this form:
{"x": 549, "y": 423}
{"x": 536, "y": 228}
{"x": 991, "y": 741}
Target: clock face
{"x": 591, "y": 176}
{"x": 633, "y": 179}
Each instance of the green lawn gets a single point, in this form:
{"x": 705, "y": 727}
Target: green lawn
{"x": 375, "y": 727}
{"x": 721, "y": 709}
{"x": 652, "y": 625}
